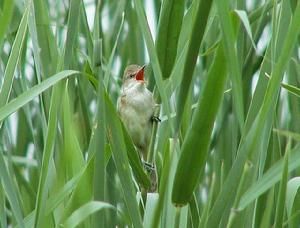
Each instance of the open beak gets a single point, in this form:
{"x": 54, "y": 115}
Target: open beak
{"x": 140, "y": 74}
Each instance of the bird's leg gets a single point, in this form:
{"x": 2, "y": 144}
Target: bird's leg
{"x": 150, "y": 169}
{"x": 148, "y": 166}
{"x": 155, "y": 119}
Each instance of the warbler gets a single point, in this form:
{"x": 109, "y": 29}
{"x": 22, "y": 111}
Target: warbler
{"x": 136, "y": 108}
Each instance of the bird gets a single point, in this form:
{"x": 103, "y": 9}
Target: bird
{"x": 136, "y": 107}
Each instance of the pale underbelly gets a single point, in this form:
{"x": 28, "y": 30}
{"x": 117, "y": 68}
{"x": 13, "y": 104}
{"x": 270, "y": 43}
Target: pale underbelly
{"x": 138, "y": 126}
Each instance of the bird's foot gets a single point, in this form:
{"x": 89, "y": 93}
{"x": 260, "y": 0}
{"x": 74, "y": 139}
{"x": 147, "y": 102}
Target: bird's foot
{"x": 155, "y": 119}
{"x": 148, "y": 166}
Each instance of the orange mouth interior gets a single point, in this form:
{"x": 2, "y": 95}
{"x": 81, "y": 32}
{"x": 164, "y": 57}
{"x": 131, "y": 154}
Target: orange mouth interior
{"x": 140, "y": 74}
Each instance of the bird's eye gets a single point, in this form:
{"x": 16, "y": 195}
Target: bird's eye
{"x": 131, "y": 76}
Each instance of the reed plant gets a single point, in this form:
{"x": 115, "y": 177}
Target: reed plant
{"x": 226, "y": 76}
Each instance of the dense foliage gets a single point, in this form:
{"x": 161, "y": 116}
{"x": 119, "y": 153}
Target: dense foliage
{"x": 226, "y": 75}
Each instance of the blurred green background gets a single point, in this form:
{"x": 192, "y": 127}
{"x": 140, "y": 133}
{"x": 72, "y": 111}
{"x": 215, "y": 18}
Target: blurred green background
{"x": 226, "y": 75}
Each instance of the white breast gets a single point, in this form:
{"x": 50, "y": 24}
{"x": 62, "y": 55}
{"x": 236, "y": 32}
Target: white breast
{"x": 136, "y": 107}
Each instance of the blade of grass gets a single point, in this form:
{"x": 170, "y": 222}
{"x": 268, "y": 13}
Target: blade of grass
{"x": 144, "y": 27}
{"x": 47, "y": 47}
{"x": 234, "y": 214}
{"x": 13, "y": 59}
{"x": 292, "y": 135}
{"x": 196, "y": 144}
{"x": 163, "y": 185}
{"x": 71, "y": 155}
{"x": 282, "y": 190}
{"x": 85, "y": 31}
{"x": 82, "y": 194}
{"x": 135, "y": 161}
{"x": 251, "y": 141}
{"x": 98, "y": 141}
{"x": 202, "y": 9}
{"x": 165, "y": 210}
{"x": 56, "y": 199}
{"x": 293, "y": 186}
{"x": 112, "y": 55}
{"x": 97, "y": 144}
{"x": 7, "y": 12}
{"x": 3, "y": 221}
{"x": 116, "y": 140}
{"x": 269, "y": 179}
{"x": 194, "y": 210}
{"x": 207, "y": 207}
{"x": 177, "y": 74}
{"x": 30, "y": 94}
{"x": 268, "y": 213}
{"x": 43, "y": 187}
{"x": 245, "y": 20}
{"x": 11, "y": 191}
{"x": 72, "y": 32}
{"x": 292, "y": 202}
{"x": 230, "y": 49}
{"x": 38, "y": 52}
{"x": 85, "y": 211}
{"x": 291, "y": 89}
{"x": 169, "y": 27}
{"x": 152, "y": 201}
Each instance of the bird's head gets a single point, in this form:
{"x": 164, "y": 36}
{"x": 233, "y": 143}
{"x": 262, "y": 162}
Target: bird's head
{"x": 133, "y": 74}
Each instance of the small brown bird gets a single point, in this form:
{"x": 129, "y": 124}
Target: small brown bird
{"x": 136, "y": 107}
